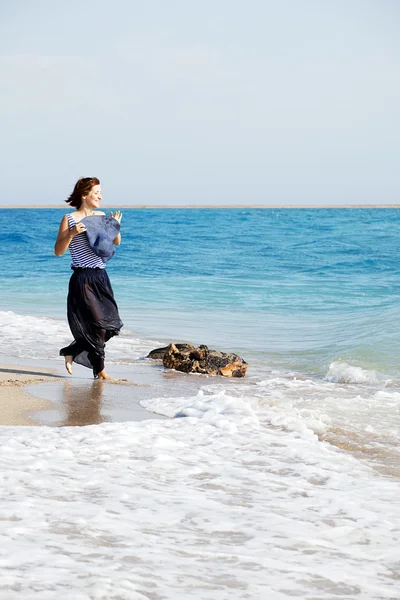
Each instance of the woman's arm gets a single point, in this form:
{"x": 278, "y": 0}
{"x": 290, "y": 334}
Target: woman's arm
{"x": 65, "y": 235}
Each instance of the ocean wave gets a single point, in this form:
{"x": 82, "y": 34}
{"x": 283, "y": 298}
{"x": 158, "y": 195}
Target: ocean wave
{"x": 342, "y": 372}
{"x": 27, "y": 336}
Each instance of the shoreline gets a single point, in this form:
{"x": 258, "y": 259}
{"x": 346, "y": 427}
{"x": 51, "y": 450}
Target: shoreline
{"x": 35, "y": 392}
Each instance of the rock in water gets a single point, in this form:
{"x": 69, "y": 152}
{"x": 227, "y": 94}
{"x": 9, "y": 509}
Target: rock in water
{"x": 158, "y": 353}
{"x": 188, "y": 359}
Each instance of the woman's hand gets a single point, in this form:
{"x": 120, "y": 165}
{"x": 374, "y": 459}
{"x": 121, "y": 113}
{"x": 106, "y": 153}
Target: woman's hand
{"x": 79, "y": 228}
{"x": 116, "y": 215}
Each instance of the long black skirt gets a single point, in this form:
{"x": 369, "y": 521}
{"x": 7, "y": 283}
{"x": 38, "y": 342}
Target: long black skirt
{"x": 92, "y": 316}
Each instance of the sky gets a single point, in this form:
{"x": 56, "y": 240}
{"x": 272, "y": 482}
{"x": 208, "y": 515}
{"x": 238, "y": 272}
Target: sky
{"x": 177, "y": 102}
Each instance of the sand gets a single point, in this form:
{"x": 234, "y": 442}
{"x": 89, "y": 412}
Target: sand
{"x": 40, "y": 392}
{"x": 15, "y": 403}
{"x": 33, "y": 394}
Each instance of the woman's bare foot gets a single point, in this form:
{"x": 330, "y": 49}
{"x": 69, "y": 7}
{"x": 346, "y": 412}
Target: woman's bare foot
{"x": 68, "y": 363}
{"x": 103, "y": 376}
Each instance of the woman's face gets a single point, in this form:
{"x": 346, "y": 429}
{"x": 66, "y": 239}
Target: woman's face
{"x": 92, "y": 200}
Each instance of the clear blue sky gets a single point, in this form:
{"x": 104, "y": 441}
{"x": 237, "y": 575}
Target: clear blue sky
{"x": 211, "y": 102}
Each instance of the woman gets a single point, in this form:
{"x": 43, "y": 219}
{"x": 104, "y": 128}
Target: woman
{"x": 92, "y": 311}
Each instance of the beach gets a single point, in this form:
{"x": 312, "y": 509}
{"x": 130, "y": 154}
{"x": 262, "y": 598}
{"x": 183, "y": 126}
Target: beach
{"x": 34, "y": 394}
{"x": 245, "y": 208}
{"x": 15, "y": 403}
{"x": 190, "y": 507}
{"x": 166, "y": 485}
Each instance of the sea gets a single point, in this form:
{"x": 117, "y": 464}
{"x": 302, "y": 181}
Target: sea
{"x": 282, "y": 484}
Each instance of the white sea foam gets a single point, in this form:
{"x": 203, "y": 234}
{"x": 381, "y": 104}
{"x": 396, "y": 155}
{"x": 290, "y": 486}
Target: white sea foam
{"x": 308, "y": 407}
{"x": 213, "y": 408}
{"x": 27, "y": 336}
{"x": 342, "y": 372}
{"x": 217, "y": 504}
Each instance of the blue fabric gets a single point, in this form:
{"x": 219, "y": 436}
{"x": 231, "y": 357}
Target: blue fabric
{"x": 101, "y": 231}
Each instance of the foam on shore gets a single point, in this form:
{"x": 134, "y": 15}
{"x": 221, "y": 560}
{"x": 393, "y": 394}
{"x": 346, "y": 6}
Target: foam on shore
{"x": 218, "y": 502}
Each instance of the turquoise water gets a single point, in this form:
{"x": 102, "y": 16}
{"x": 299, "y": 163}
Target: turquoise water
{"x": 297, "y": 288}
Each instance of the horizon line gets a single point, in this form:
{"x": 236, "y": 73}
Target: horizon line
{"x": 207, "y": 206}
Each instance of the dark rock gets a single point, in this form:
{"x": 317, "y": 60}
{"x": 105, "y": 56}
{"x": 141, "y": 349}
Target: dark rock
{"x": 188, "y": 359}
{"x": 158, "y": 353}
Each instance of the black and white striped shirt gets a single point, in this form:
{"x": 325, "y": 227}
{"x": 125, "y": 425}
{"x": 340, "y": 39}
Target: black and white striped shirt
{"x": 81, "y": 253}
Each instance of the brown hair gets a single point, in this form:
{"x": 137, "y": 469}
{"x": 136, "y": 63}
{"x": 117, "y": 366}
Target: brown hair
{"x": 82, "y": 188}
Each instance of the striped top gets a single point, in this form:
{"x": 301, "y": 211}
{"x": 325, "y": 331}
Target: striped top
{"x": 81, "y": 253}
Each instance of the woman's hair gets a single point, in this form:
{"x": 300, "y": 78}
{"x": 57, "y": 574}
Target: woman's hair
{"x": 82, "y": 188}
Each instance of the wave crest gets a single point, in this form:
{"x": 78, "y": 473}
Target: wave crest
{"x": 342, "y": 372}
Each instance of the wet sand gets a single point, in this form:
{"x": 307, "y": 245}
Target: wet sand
{"x": 34, "y": 393}
{"x": 15, "y": 403}
{"x": 80, "y": 403}
{"x": 40, "y": 392}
